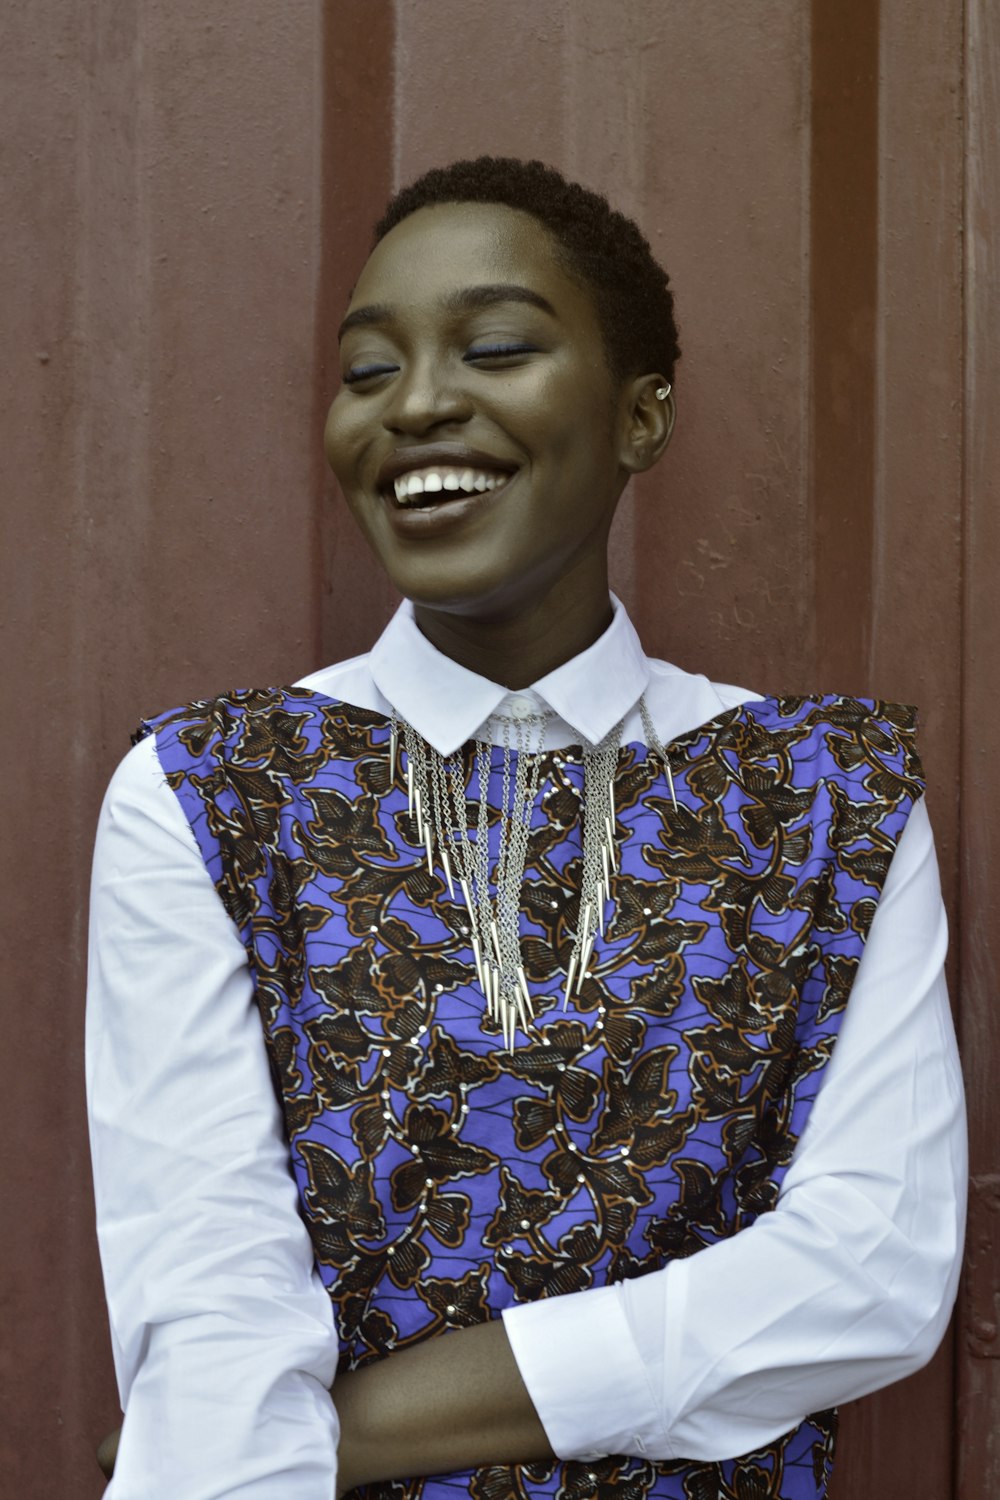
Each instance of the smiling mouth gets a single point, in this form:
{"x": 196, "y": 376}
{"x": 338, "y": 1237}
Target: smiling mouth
{"x": 420, "y": 488}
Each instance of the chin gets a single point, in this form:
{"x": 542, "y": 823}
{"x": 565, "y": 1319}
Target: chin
{"x": 483, "y": 591}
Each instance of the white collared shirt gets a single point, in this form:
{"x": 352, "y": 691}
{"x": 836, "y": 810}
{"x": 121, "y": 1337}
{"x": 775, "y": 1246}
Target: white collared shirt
{"x": 223, "y": 1335}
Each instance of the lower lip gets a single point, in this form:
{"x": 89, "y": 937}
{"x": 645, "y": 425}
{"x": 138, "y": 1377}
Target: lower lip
{"x": 433, "y": 520}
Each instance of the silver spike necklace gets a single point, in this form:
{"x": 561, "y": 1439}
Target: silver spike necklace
{"x": 436, "y": 799}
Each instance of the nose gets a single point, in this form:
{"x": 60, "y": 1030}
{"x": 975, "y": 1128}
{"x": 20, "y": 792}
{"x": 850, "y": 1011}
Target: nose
{"x": 424, "y": 394}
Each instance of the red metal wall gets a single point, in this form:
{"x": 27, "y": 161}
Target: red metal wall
{"x": 188, "y": 195}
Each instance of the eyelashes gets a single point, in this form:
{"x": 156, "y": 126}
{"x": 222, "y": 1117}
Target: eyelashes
{"x": 496, "y": 351}
{"x": 366, "y": 372}
{"x": 481, "y": 351}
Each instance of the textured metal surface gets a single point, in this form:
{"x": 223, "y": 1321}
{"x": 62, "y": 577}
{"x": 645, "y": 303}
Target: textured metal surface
{"x": 982, "y": 1326}
{"x": 183, "y": 221}
{"x": 978, "y": 1428}
{"x": 911, "y": 596}
{"x": 161, "y": 264}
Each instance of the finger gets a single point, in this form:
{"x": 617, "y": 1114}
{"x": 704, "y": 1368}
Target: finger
{"x": 108, "y": 1452}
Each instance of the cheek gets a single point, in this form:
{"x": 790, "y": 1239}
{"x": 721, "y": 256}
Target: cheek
{"x": 331, "y": 438}
{"x": 567, "y": 409}
{"x": 558, "y": 423}
{"x": 340, "y": 437}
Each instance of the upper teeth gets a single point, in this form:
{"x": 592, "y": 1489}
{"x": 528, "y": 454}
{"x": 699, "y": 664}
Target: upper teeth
{"x": 427, "y": 481}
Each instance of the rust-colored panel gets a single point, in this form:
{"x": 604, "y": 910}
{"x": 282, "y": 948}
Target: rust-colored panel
{"x": 978, "y": 1464}
{"x": 473, "y": 77}
{"x": 982, "y": 1283}
{"x": 722, "y": 548}
{"x": 161, "y": 238}
{"x": 68, "y": 138}
{"x": 912, "y": 607}
{"x": 357, "y": 178}
{"x": 916, "y": 609}
{"x": 843, "y": 276}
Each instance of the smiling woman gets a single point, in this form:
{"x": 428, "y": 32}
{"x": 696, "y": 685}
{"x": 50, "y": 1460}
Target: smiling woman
{"x": 508, "y": 984}
{"x": 492, "y": 363}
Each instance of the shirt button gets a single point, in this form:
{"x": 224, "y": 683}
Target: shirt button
{"x": 520, "y": 706}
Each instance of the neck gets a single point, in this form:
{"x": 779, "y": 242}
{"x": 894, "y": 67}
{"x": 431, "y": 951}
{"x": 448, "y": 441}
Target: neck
{"x": 517, "y": 648}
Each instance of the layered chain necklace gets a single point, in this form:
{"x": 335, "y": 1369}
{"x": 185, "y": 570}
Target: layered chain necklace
{"x": 437, "y": 802}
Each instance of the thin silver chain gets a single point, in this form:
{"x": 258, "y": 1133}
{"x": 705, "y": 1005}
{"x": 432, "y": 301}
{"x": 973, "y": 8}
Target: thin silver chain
{"x": 600, "y": 853}
{"x": 653, "y": 739}
{"x": 437, "y": 801}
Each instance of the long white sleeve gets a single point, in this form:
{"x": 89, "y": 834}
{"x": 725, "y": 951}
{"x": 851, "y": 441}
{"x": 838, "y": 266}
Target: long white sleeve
{"x": 223, "y": 1335}
{"x": 847, "y": 1286}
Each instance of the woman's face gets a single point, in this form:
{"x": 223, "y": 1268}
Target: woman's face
{"x": 473, "y": 364}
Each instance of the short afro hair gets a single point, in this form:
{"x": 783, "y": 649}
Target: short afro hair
{"x": 597, "y": 246}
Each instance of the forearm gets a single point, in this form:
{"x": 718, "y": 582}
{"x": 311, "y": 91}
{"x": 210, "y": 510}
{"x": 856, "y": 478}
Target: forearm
{"x": 454, "y": 1402}
{"x": 224, "y": 1337}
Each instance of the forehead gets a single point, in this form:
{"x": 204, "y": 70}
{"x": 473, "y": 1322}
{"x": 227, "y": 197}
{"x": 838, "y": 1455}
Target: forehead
{"x": 448, "y": 247}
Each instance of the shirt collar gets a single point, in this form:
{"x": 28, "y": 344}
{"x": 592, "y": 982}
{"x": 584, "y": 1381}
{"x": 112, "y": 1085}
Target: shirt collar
{"x": 446, "y": 703}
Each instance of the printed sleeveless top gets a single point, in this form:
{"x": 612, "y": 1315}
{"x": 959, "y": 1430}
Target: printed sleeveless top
{"x": 443, "y": 1178}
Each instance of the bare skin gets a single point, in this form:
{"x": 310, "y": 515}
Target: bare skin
{"x": 107, "y": 1452}
{"x": 451, "y": 1403}
{"x": 511, "y": 592}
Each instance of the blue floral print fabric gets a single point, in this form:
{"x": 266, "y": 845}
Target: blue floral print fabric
{"x": 443, "y": 1177}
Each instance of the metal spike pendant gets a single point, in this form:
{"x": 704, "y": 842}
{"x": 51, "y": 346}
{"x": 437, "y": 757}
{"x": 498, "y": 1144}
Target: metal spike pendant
{"x": 570, "y": 970}
{"x": 446, "y": 862}
{"x": 437, "y": 800}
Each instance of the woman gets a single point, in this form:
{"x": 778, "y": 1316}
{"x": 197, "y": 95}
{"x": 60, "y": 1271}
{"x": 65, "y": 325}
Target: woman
{"x": 604, "y": 1025}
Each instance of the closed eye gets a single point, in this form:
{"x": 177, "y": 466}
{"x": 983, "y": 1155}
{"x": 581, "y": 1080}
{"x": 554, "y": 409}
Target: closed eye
{"x": 367, "y": 372}
{"x": 482, "y": 351}
{"x": 500, "y": 351}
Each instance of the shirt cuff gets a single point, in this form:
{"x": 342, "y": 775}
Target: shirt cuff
{"x": 584, "y": 1374}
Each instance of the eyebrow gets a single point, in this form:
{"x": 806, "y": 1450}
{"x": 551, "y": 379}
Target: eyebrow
{"x": 468, "y": 299}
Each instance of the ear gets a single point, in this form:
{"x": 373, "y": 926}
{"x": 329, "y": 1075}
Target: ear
{"x": 647, "y": 423}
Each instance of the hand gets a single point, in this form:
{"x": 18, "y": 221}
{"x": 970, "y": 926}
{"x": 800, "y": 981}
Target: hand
{"x": 108, "y": 1452}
